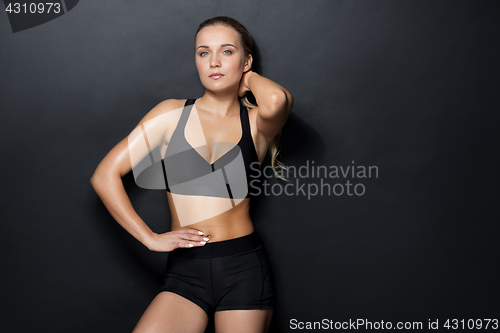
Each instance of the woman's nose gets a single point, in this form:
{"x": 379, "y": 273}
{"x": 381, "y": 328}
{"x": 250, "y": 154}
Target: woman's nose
{"x": 214, "y": 62}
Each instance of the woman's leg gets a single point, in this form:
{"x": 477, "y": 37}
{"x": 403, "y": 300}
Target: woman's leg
{"x": 169, "y": 312}
{"x": 243, "y": 286}
{"x": 243, "y": 321}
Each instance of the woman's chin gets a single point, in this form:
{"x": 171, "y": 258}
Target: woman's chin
{"x": 216, "y": 88}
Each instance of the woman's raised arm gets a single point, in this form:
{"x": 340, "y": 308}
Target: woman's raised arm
{"x": 274, "y": 102}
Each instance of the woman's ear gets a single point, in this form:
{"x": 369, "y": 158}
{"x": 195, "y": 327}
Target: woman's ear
{"x": 248, "y": 63}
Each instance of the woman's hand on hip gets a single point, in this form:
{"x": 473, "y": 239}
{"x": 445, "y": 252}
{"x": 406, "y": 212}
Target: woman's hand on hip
{"x": 183, "y": 238}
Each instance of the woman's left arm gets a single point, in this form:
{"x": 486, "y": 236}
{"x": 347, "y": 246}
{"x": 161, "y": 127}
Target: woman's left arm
{"x": 274, "y": 101}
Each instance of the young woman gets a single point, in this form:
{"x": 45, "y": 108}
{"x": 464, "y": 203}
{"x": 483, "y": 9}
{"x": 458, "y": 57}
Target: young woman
{"x": 217, "y": 263}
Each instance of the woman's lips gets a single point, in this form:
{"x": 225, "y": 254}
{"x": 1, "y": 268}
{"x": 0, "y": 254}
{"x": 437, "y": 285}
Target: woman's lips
{"x": 216, "y": 76}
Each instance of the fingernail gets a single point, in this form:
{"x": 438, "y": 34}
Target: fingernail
{"x": 191, "y": 245}
{"x": 202, "y": 243}
{"x": 200, "y": 232}
{"x": 205, "y": 239}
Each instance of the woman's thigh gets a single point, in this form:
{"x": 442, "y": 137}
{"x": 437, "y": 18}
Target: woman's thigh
{"x": 169, "y": 312}
{"x": 243, "y": 321}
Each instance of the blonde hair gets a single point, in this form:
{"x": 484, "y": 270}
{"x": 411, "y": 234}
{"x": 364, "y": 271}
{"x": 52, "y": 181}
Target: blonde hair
{"x": 246, "y": 41}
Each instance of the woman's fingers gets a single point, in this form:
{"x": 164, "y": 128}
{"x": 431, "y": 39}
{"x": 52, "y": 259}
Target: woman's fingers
{"x": 191, "y": 231}
{"x": 192, "y": 238}
{"x": 192, "y": 243}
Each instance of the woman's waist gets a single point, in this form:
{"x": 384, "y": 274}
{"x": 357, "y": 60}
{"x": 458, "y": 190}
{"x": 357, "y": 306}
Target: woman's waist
{"x": 234, "y": 246}
{"x": 221, "y": 229}
{"x": 233, "y": 223}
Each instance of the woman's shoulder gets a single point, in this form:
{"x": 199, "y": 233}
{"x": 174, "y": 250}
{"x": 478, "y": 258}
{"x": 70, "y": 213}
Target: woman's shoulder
{"x": 170, "y": 104}
{"x": 165, "y": 110}
{"x": 167, "y": 105}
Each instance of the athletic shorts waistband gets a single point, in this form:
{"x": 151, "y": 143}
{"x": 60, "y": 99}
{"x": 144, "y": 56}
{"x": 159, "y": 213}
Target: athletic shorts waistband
{"x": 220, "y": 249}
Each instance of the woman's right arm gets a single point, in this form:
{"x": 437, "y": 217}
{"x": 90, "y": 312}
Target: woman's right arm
{"x": 108, "y": 184}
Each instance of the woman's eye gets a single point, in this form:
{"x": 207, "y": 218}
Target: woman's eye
{"x": 202, "y": 53}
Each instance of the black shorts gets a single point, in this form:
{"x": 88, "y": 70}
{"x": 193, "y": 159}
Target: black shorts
{"x": 228, "y": 275}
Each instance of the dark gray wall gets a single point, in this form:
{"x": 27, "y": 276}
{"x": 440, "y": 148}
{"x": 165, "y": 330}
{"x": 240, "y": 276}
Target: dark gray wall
{"x": 408, "y": 86}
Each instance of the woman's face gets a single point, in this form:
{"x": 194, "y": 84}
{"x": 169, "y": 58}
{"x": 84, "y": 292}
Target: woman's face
{"x": 218, "y": 50}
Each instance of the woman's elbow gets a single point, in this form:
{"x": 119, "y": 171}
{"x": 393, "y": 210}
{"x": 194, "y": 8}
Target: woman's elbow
{"x": 99, "y": 176}
{"x": 94, "y": 180}
{"x": 283, "y": 100}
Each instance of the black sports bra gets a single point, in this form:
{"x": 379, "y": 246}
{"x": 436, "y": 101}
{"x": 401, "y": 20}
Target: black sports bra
{"x": 186, "y": 172}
